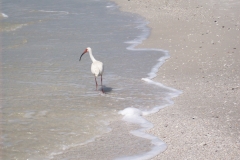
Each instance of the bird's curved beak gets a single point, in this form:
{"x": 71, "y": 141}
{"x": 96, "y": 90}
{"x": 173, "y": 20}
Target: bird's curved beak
{"x": 82, "y": 54}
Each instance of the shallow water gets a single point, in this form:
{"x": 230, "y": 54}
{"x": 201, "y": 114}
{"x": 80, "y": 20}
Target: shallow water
{"x": 49, "y": 102}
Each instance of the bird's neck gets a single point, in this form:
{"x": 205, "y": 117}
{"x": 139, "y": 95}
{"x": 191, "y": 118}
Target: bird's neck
{"x": 91, "y": 56}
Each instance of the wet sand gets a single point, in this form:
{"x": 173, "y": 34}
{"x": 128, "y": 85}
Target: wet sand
{"x": 203, "y": 40}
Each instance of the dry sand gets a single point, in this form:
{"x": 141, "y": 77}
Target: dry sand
{"x": 203, "y": 40}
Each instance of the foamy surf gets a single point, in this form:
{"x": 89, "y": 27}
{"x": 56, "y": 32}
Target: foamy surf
{"x": 4, "y": 15}
{"x": 135, "y": 115}
{"x": 56, "y": 12}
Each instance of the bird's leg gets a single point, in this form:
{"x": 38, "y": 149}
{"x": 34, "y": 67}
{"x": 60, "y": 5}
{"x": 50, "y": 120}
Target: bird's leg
{"x": 101, "y": 84}
{"x": 96, "y": 83}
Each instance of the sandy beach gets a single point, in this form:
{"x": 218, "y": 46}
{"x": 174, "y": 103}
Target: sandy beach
{"x": 203, "y": 40}
{"x": 50, "y": 109}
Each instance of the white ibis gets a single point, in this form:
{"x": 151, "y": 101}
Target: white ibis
{"x": 96, "y": 67}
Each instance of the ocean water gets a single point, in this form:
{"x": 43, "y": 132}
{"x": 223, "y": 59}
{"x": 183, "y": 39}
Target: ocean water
{"x": 49, "y": 104}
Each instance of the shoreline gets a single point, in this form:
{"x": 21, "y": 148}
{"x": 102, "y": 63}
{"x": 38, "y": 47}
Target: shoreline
{"x": 131, "y": 127}
{"x": 202, "y": 39}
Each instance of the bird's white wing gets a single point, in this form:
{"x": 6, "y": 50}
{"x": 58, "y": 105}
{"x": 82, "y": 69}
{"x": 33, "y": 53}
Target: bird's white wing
{"x": 97, "y": 68}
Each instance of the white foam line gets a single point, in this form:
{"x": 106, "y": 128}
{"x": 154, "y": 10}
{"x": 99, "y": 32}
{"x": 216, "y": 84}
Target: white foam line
{"x": 111, "y": 5}
{"x": 64, "y": 147}
{"x": 61, "y": 12}
{"x": 4, "y": 15}
{"x": 53, "y": 154}
{"x": 134, "y": 115}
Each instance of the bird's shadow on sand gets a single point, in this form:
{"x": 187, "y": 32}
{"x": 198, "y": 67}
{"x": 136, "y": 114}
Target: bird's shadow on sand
{"x": 107, "y": 89}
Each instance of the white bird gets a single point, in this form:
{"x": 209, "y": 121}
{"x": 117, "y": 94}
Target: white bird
{"x": 96, "y": 67}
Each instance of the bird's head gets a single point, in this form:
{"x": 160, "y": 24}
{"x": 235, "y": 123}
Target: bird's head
{"x": 85, "y": 51}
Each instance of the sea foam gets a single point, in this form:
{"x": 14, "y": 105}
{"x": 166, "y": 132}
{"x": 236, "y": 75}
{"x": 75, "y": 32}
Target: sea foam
{"x": 4, "y": 15}
{"x": 57, "y": 12}
{"x": 134, "y": 115}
